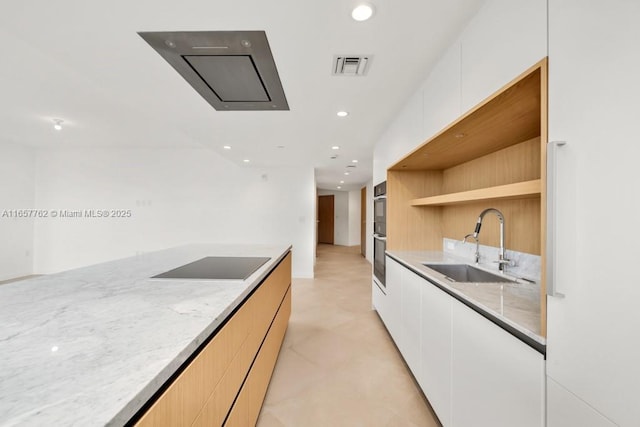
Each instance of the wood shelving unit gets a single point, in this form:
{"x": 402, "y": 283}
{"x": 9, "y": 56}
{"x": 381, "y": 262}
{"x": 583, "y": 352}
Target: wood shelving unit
{"x": 492, "y": 156}
{"x": 518, "y": 190}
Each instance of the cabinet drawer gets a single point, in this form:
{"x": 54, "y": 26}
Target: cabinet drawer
{"x": 185, "y": 397}
{"x": 205, "y": 391}
{"x": 247, "y": 407}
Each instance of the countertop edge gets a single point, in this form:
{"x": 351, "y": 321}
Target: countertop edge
{"x": 537, "y": 343}
{"x": 132, "y": 411}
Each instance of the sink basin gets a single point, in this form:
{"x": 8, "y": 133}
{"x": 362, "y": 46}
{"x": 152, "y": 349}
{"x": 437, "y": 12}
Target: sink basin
{"x": 466, "y": 273}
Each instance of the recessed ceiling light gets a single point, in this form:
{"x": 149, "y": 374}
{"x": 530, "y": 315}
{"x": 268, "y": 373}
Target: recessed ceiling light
{"x": 246, "y": 160}
{"x": 57, "y": 124}
{"x": 335, "y": 147}
{"x": 341, "y": 182}
{"x": 226, "y": 147}
{"x": 339, "y": 187}
{"x": 362, "y": 12}
{"x": 346, "y": 173}
{"x": 354, "y": 161}
{"x": 342, "y": 113}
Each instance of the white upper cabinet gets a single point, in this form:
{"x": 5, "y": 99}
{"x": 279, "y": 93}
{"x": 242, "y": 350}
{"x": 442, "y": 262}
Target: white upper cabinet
{"x": 441, "y": 92}
{"x": 505, "y": 38}
{"x": 402, "y": 136}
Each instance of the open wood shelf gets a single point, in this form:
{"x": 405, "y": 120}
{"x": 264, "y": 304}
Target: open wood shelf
{"x": 518, "y": 190}
{"x": 508, "y": 117}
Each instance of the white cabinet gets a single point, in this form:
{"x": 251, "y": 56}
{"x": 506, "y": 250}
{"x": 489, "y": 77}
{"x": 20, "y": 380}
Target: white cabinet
{"x": 435, "y": 342}
{"x": 497, "y": 380}
{"x": 410, "y": 320}
{"x": 378, "y": 300}
{"x": 566, "y": 409}
{"x": 472, "y": 371}
{"x": 441, "y": 92}
{"x": 393, "y": 318}
{"x": 505, "y": 38}
{"x": 592, "y": 341}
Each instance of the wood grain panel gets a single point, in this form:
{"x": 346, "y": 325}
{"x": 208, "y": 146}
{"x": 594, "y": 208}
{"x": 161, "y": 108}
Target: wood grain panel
{"x": 183, "y": 400}
{"x": 509, "y": 116}
{"x": 264, "y": 305}
{"x": 258, "y": 383}
{"x": 246, "y": 410}
{"x": 522, "y": 223}
{"x": 413, "y": 228}
{"x": 518, "y": 163}
{"x": 518, "y": 190}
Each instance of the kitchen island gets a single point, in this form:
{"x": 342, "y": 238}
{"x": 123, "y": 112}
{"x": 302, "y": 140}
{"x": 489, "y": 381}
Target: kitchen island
{"x": 97, "y": 345}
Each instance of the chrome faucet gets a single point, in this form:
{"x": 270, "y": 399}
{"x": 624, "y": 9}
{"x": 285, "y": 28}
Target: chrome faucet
{"x": 502, "y": 261}
{"x": 477, "y": 254}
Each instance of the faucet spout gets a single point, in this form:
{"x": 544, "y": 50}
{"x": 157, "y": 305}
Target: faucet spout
{"x": 502, "y": 261}
{"x": 477, "y": 254}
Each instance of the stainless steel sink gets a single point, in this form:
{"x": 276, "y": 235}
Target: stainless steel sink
{"x": 467, "y": 273}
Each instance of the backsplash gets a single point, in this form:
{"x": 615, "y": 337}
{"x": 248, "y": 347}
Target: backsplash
{"x": 526, "y": 266}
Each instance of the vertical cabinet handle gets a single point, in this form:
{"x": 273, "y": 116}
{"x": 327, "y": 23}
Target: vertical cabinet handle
{"x": 552, "y": 152}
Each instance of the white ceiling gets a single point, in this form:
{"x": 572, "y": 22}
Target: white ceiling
{"x": 83, "y": 62}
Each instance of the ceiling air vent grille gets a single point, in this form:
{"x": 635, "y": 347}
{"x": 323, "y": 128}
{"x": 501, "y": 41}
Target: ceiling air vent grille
{"x": 350, "y": 65}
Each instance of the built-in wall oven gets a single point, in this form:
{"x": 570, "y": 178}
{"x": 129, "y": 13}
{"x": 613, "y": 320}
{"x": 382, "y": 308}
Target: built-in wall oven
{"x": 380, "y": 233}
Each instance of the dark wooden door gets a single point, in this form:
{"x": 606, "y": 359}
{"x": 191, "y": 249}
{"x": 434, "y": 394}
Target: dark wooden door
{"x": 325, "y": 219}
{"x": 363, "y": 221}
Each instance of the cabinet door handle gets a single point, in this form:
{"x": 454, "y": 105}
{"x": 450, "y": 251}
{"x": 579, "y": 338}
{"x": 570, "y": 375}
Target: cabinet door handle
{"x": 552, "y": 151}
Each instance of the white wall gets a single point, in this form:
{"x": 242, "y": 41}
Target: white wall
{"x": 16, "y": 192}
{"x": 504, "y": 39}
{"x": 176, "y": 196}
{"x": 354, "y": 218}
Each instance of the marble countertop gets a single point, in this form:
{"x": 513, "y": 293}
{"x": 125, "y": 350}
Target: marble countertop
{"x": 88, "y": 347}
{"x": 515, "y": 306}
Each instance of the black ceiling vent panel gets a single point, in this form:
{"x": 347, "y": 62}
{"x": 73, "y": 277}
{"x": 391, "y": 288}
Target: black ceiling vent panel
{"x": 232, "y": 70}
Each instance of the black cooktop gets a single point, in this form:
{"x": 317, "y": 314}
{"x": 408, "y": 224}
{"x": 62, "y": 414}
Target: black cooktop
{"x": 216, "y": 268}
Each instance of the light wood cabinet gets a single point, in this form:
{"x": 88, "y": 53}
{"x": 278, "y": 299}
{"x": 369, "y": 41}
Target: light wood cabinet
{"x": 239, "y": 358}
{"x": 492, "y": 156}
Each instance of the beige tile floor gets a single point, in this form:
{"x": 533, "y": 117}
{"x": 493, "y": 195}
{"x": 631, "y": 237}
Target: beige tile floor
{"x": 338, "y": 365}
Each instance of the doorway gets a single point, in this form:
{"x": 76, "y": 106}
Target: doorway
{"x": 325, "y": 219}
